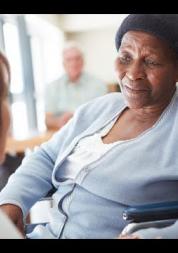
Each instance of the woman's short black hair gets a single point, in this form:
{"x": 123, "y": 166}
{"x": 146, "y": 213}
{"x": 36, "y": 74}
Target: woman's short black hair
{"x": 163, "y": 26}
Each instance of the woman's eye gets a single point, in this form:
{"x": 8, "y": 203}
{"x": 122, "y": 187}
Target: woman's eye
{"x": 124, "y": 59}
{"x": 151, "y": 63}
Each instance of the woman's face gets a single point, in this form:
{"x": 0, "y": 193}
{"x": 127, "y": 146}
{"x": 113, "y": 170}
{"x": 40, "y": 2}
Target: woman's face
{"x": 4, "y": 110}
{"x": 146, "y": 70}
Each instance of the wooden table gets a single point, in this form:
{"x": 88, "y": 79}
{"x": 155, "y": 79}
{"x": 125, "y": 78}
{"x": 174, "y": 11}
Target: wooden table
{"x": 20, "y": 146}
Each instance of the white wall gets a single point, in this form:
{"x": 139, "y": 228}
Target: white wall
{"x": 51, "y": 18}
{"x": 82, "y": 22}
{"x": 100, "y": 52}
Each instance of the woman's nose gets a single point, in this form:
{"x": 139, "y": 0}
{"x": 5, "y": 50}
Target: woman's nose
{"x": 135, "y": 71}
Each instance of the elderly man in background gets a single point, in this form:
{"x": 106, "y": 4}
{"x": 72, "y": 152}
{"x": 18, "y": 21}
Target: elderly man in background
{"x": 74, "y": 88}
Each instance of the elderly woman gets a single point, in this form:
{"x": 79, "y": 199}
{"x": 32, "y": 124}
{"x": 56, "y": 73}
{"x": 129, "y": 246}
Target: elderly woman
{"x": 118, "y": 150}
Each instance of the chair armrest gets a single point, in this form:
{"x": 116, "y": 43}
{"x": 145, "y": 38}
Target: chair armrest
{"x": 152, "y": 212}
{"x": 134, "y": 227}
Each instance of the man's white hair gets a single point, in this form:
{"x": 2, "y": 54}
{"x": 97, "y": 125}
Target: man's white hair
{"x": 72, "y": 44}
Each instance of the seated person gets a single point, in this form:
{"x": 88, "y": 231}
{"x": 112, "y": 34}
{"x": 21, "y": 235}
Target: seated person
{"x": 7, "y": 228}
{"x": 4, "y": 106}
{"x": 117, "y": 151}
{"x": 75, "y": 87}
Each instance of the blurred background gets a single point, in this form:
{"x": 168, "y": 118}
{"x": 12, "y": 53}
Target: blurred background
{"x": 33, "y": 44}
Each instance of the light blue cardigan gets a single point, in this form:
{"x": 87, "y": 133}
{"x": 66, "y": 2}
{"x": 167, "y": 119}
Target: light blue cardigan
{"x": 137, "y": 171}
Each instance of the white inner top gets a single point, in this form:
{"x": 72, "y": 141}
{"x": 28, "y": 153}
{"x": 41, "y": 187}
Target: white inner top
{"x": 88, "y": 150}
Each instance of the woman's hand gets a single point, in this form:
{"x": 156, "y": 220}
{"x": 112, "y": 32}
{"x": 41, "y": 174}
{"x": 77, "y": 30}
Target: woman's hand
{"x": 15, "y": 215}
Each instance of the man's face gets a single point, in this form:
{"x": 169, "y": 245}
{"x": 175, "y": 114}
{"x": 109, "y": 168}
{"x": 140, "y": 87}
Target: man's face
{"x": 73, "y": 63}
{"x": 146, "y": 70}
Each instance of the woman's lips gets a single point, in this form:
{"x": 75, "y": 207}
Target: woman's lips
{"x": 135, "y": 90}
